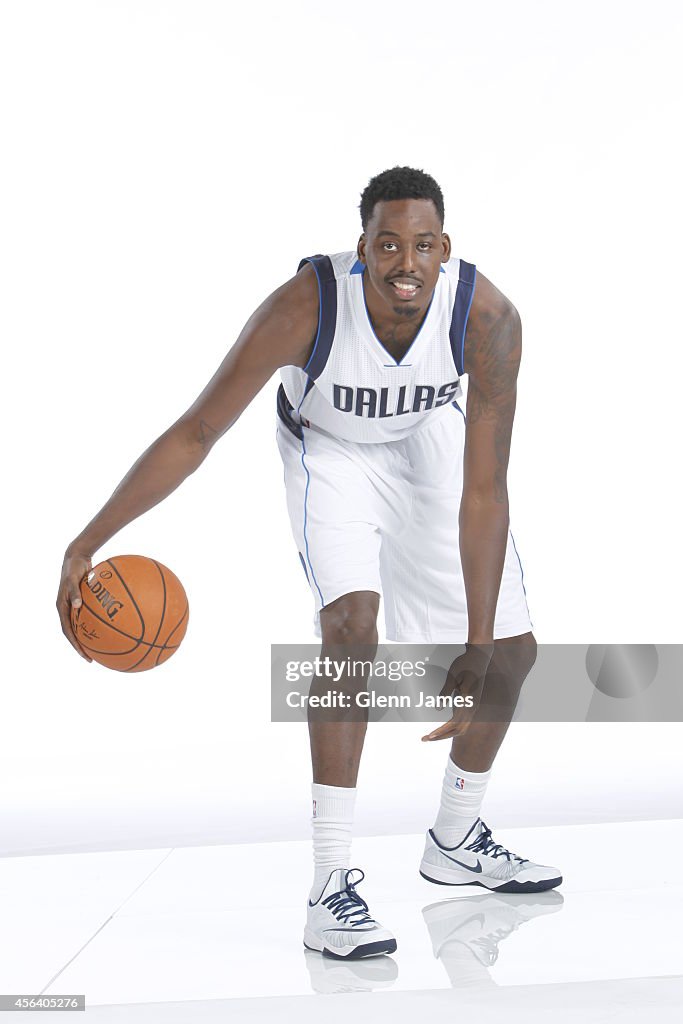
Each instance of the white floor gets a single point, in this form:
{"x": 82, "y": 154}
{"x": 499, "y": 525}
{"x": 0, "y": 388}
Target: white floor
{"x": 196, "y": 934}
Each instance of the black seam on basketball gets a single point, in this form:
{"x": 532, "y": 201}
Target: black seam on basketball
{"x": 163, "y": 608}
{"x": 161, "y": 621}
{"x": 111, "y": 654}
{"x": 110, "y": 562}
{"x": 122, "y": 654}
{"x": 95, "y": 614}
{"x": 177, "y": 625}
{"x": 121, "y": 632}
{"x": 132, "y": 668}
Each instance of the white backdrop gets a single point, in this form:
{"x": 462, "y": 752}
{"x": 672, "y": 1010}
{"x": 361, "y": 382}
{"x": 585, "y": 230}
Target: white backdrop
{"x": 166, "y": 166}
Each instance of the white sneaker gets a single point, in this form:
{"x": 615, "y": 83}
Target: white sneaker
{"x": 339, "y": 924}
{"x": 478, "y": 860}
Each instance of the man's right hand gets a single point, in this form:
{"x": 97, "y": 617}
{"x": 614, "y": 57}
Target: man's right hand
{"x": 74, "y": 569}
{"x": 281, "y": 332}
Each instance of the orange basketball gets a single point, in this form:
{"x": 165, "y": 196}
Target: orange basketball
{"x": 134, "y": 613}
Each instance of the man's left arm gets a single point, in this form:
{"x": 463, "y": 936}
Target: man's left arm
{"x": 493, "y": 349}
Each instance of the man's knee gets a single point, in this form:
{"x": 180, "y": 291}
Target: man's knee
{"x": 516, "y": 655}
{"x": 351, "y": 619}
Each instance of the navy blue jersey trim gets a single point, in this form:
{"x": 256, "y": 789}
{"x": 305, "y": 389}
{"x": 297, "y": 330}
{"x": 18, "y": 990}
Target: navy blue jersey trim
{"x": 327, "y": 313}
{"x": 308, "y": 485}
{"x": 309, "y": 385}
{"x": 284, "y": 411}
{"x": 461, "y": 311}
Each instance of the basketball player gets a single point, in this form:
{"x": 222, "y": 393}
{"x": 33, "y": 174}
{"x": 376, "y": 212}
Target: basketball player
{"x": 390, "y": 490}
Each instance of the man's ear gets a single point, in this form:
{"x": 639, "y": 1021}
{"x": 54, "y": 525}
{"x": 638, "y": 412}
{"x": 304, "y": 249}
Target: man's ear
{"x": 446, "y": 239}
{"x": 360, "y": 248}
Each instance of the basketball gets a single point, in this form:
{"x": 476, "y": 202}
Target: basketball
{"x": 134, "y": 613}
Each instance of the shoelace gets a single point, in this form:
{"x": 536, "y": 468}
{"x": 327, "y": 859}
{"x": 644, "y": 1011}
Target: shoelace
{"x": 347, "y": 904}
{"x": 484, "y": 844}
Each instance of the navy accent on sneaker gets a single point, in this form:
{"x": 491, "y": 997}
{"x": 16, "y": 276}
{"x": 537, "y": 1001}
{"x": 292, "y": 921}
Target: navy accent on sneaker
{"x": 369, "y": 949}
{"x": 485, "y": 844}
{"x": 347, "y": 904}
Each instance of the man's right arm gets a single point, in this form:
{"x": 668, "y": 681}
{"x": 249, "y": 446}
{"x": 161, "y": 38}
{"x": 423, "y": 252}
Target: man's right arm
{"x": 279, "y": 333}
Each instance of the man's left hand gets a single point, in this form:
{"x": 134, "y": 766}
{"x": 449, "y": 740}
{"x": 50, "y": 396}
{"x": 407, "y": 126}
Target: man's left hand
{"x": 465, "y": 678}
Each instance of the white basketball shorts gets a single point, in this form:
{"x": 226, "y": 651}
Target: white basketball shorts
{"x": 384, "y": 517}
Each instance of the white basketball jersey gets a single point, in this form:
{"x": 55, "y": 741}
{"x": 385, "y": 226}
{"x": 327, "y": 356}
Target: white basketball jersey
{"x": 351, "y": 386}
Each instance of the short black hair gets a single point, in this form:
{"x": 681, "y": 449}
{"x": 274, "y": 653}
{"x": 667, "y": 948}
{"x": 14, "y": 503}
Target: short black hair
{"x": 400, "y": 183}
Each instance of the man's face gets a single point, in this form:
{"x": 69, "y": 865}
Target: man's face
{"x": 403, "y": 248}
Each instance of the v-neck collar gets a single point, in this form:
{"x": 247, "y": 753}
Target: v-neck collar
{"x": 371, "y": 329}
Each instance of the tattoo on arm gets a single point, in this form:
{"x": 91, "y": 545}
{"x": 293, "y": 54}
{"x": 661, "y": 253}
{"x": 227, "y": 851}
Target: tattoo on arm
{"x": 494, "y": 350}
{"x": 208, "y": 435}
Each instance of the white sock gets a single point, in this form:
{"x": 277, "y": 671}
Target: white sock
{"x": 332, "y": 819}
{"x": 462, "y": 795}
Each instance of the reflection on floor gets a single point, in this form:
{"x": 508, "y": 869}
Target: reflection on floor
{"x": 201, "y": 933}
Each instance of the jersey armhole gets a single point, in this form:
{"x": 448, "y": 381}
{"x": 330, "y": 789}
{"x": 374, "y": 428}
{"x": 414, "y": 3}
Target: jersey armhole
{"x": 327, "y": 313}
{"x": 461, "y": 311}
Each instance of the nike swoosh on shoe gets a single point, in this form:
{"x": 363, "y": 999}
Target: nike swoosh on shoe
{"x": 476, "y": 869}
